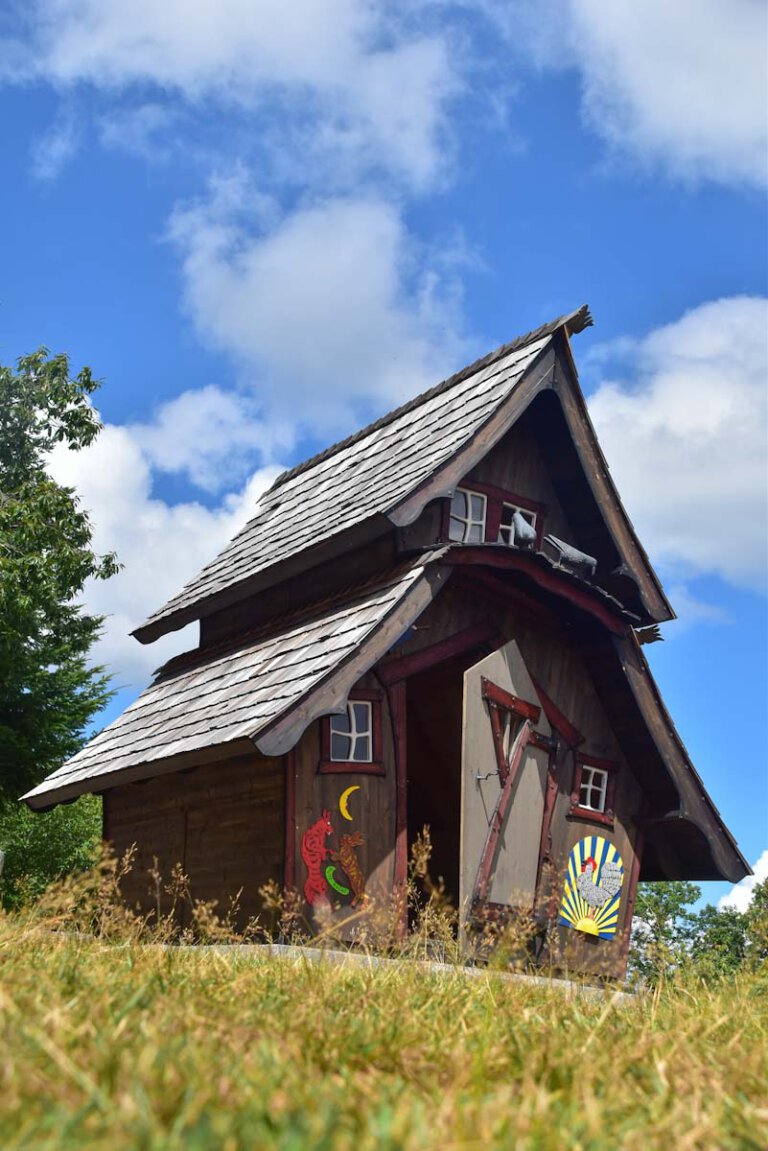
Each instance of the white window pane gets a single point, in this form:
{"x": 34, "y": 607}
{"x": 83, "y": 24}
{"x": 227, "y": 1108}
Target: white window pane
{"x": 478, "y": 507}
{"x": 474, "y": 534}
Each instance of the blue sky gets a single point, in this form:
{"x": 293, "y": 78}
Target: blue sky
{"x": 263, "y": 225}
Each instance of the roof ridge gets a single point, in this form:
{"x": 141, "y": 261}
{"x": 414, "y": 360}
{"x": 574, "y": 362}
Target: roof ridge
{"x": 575, "y": 322}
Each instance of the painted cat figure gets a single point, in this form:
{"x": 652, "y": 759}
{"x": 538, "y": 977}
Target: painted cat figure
{"x": 313, "y": 852}
{"x": 348, "y": 860}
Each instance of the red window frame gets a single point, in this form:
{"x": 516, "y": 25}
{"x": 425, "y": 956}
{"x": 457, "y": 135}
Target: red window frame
{"x": 373, "y": 766}
{"x": 611, "y": 768}
{"x": 495, "y": 498}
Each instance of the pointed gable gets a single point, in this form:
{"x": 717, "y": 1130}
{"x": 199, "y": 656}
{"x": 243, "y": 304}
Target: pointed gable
{"x": 366, "y": 482}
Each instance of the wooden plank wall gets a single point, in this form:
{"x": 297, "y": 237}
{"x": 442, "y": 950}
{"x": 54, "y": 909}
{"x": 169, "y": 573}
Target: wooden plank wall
{"x": 373, "y": 810}
{"x": 516, "y": 465}
{"x": 223, "y": 823}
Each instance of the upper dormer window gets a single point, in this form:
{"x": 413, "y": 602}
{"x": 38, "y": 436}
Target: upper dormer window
{"x": 467, "y": 522}
{"x": 517, "y": 526}
{"x": 486, "y": 514}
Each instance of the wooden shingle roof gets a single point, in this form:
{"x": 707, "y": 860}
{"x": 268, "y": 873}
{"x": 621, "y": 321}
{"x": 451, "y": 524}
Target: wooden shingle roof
{"x": 368, "y": 475}
{"x": 204, "y": 700}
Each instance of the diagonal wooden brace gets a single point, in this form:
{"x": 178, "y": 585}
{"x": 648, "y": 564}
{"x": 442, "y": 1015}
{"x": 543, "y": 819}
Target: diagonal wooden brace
{"x": 482, "y": 883}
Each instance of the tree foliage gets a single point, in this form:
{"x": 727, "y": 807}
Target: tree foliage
{"x": 40, "y": 847}
{"x": 662, "y": 928}
{"x": 715, "y": 942}
{"x": 48, "y": 691}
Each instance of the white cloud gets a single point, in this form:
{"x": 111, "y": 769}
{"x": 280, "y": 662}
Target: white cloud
{"x": 52, "y": 151}
{"x": 685, "y": 430}
{"x": 331, "y": 311}
{"x": 691, "y": 610}
{"x": 211, "y": 436}
{"x": 366, "y": 85}
{"x": 677, "y": 85}
{"x": 140, "y": 131}
{"x": 161, "y": 546}
{"x": 740, "y": 896}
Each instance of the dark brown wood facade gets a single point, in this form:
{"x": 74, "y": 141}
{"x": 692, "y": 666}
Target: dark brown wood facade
{"x": 223, "y": 825}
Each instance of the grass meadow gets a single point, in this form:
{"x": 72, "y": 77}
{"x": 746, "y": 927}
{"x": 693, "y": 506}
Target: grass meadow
{"x": 109, "y": 1044}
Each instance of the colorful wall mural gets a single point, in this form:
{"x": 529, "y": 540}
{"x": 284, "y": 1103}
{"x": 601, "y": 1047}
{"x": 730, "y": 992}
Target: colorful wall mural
{"x": 592, "y": 892}
{"x": 315, "y": 851}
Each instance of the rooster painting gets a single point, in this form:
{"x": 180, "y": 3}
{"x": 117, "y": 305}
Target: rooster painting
{"x": 593, "y": 888}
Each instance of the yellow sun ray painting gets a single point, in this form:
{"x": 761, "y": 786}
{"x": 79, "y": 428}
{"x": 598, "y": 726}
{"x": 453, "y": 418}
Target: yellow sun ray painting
{"x": 593, "y": 888}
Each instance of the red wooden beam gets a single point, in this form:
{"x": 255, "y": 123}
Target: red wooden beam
{"x": 396, "y": 693}
{"x": 545, "y": 841}
{"x": 406, "y": 665}
{"x": 495, "y": 694}
{"x": 560, "y": 722}
{"x": 508, "y": 560}
{"x": 499, "y": 815}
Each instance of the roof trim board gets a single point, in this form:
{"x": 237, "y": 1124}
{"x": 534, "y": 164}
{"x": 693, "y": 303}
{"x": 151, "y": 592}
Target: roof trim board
{"x": 444, "y": 481}
{"x": 331, "y": 696}
{"x": 598, "y": 474}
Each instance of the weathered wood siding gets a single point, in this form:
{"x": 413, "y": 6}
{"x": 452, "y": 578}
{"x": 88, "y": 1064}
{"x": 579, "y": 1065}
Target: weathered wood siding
{"x": 224, "y": 824}
{"x": 372, "y": 807}
{"x": 516, "y": 465}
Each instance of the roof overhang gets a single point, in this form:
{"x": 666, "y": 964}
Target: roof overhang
{"x": 260, "y": 694}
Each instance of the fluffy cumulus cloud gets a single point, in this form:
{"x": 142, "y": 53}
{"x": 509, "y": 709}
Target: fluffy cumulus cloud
{"x": 682, "y": 416}
{"x": 349, "y": 70}
{"x": 740, "y": 896}
{"x": 211, "y": 436}
{"x": 333, "y": 311}
{"x": 678, "y": 85}
{"x": 160, "y": 545}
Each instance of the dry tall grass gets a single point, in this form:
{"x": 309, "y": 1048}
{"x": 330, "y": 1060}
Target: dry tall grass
{"x": 110, "y": 1041}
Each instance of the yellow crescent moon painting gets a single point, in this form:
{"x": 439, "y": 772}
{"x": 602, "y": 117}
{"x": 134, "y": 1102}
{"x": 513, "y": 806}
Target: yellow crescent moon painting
{"x": 343, "y": 808}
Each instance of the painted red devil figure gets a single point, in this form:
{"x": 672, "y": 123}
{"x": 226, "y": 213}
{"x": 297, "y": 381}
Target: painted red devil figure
{"x": 313, "y": 852}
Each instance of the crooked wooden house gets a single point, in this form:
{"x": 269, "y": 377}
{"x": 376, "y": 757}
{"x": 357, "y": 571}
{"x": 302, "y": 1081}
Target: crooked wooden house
{"x": 438, "y": 621}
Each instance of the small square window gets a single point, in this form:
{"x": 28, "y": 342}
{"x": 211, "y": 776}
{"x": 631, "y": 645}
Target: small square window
{"x": 351, "y": 734}
{"x": 352, "y": 741}
{"x": 467, "y": 521}
{"x": 594, "y": 789}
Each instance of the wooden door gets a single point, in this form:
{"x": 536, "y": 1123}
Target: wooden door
{"x": 505, "y": 756}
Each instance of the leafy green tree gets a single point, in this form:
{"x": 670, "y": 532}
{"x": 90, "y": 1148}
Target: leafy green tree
{"x": 756, "y": 917}
{"x": 662, "y": 930}
{"x": 48, "y": 691}
{"x": 719, "y": 941}
{"x": 40, "y": 847}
